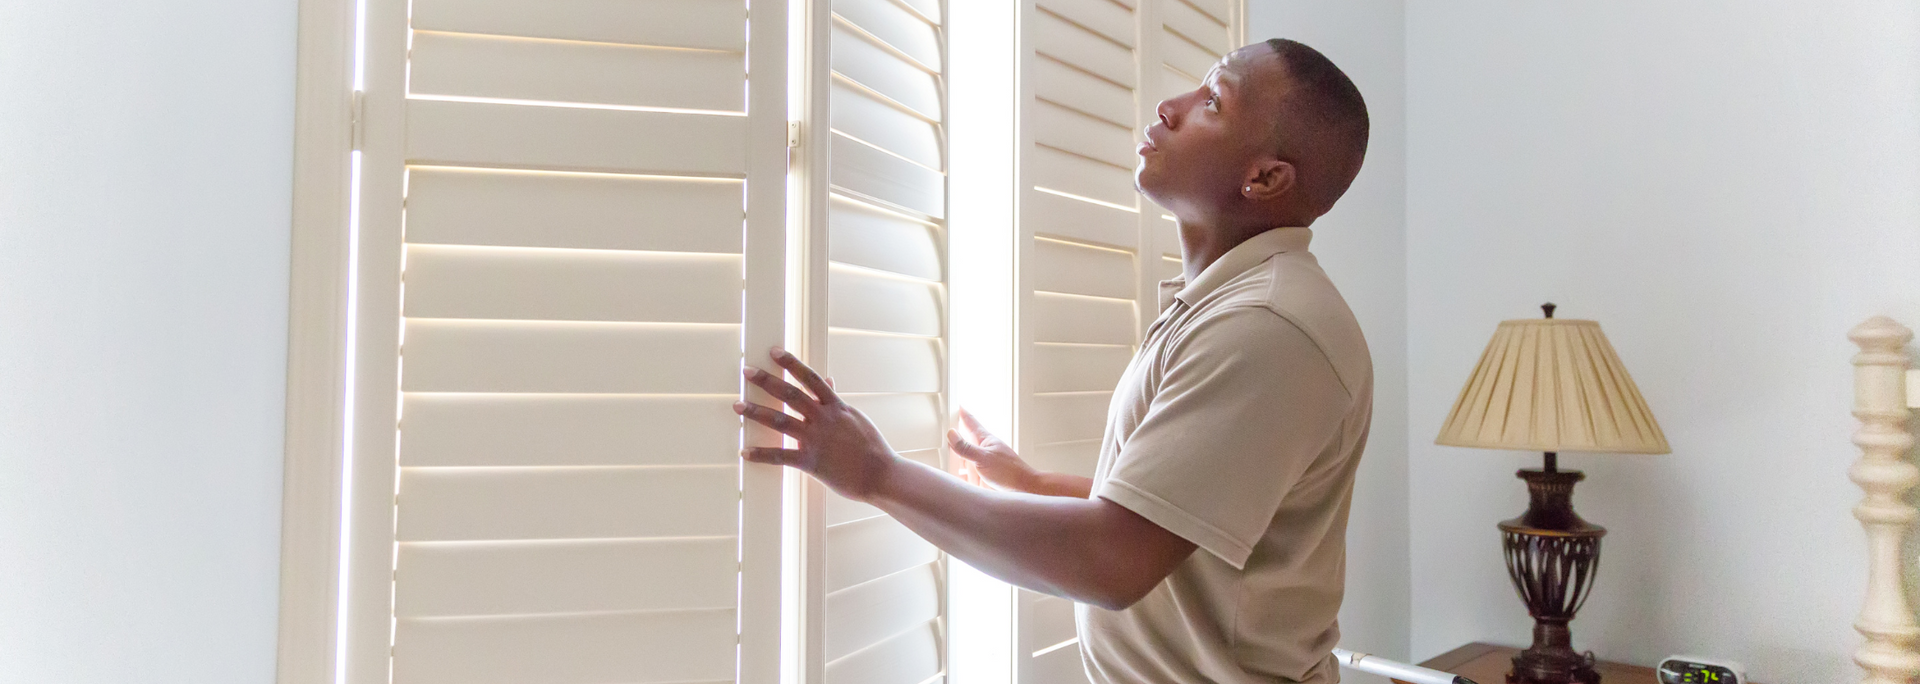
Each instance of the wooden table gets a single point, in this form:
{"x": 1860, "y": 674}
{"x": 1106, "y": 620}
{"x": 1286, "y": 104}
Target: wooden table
{"x": 1489, "y": 664}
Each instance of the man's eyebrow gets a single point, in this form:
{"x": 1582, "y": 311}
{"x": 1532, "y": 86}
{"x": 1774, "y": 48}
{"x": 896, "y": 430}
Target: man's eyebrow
{"x": 1225, "y": 66}
{"x": 1226, "y": 80}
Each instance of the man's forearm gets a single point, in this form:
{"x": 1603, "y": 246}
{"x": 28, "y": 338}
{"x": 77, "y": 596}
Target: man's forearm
{"x": 1061, "y": 484}
{"x": 1074, "y": 547}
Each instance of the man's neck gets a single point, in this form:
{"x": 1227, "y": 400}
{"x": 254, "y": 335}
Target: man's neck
{"x": 1203, "y": 244}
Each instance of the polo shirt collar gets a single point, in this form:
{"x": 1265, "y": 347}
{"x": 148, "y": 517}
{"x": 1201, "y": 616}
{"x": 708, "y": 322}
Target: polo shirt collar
{"x": 1255, "y": 251}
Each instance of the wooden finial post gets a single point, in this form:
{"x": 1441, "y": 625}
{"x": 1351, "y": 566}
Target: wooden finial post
{"x": 1890, "y": 655}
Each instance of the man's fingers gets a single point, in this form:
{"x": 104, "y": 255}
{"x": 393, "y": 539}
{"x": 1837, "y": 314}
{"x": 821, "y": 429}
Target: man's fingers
{"x": 806, "y": 376}
{"x": 778, "y": 420}
{"x": 973, "y": 425}
{"x": 958, "y": 443}
{"x": 771, "y": 455}
{"x": 781, "y": 390}
{"x": 964, "y": 448}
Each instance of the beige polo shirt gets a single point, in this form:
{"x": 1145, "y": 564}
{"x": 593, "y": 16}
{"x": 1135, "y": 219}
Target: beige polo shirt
{"x": 1238, "y": 426}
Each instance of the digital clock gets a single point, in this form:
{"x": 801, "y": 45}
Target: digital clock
{"x": 1692, "y": 670}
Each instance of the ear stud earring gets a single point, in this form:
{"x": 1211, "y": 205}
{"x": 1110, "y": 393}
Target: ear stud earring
{"x": 1249, "y": 188}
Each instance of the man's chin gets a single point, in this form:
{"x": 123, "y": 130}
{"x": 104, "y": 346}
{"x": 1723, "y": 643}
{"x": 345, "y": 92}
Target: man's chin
{"x": 1143, "y": 182}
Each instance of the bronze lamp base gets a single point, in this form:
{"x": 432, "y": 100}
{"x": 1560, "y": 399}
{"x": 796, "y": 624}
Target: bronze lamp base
{"x": 1552, "y": 556}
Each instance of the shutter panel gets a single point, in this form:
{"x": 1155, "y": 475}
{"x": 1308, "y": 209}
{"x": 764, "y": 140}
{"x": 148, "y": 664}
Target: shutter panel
{"x": 878, "y": 246}
{"x": 573, "y": 216}
{"x": 1080, "y": 314}
{"x": 1093, "y": 249}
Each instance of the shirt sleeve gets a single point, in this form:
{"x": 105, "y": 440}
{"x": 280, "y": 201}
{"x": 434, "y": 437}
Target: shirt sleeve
{"x": 1246, "y": 402}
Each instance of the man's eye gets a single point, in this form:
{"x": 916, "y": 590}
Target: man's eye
{"x": 1213, "y": 105}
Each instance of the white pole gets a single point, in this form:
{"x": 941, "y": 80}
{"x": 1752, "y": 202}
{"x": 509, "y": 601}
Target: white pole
{"x": 1891, "y": 654}
{"x": 1413, "y": 674}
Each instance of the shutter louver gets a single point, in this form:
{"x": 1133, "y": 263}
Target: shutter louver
{"x": 885, "y": 328}
{"x": 1094, "y": 249}
{"x": 575, "y": 252}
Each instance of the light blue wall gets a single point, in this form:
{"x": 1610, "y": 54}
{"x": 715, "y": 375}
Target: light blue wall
{"x": 145, "y": 170}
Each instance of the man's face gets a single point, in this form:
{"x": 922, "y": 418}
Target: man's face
{"x": 1197, "y": 154}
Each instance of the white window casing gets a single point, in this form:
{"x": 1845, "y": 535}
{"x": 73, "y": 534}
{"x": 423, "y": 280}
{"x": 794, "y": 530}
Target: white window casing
{"x": 316, "y": 350}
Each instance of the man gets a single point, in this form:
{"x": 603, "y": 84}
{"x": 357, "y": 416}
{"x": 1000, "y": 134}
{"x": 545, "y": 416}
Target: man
{"x": 1235, "y": 430}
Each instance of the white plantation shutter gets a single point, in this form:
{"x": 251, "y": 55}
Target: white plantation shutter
{"x": 1093, "y": 250}
{"x": 876, "y": 242}
{"x": 572, "y": 219}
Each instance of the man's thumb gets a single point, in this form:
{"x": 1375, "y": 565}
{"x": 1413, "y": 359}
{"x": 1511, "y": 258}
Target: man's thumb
{"x": 961, "y": 446}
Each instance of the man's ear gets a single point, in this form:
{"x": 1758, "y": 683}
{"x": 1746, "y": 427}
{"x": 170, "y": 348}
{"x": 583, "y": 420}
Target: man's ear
{"x": 1271, "y": 179}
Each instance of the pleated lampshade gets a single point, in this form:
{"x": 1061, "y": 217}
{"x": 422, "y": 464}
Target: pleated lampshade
{"x": 1552, "y": 384}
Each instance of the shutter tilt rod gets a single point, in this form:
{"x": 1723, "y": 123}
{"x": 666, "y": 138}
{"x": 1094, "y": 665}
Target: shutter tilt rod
{"x": 1414, "y": 674}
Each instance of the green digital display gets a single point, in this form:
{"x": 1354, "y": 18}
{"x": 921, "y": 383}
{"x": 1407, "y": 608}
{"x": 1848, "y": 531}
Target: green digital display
{"x": 1681, "y": 672}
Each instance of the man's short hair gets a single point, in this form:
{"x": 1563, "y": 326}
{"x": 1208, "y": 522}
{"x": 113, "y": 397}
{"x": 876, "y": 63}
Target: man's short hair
{"x": 1322, "y": 120}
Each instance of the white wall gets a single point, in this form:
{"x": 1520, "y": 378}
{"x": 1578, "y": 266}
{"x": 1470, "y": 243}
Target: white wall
{"x": 1362, "y": 245}
{"x": 145, "y": 167}
{"x": 1728, "y": 187}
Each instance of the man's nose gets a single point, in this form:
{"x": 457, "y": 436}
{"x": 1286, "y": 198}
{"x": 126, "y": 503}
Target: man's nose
{"x": 1165, "y": 111}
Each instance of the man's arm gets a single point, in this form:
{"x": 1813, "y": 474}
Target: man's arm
{"x": 1088, "y": 550}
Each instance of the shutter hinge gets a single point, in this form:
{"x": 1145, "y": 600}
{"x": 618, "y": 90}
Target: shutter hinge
{"x": 358, "y": 119}
{"x": 793, "y": 134}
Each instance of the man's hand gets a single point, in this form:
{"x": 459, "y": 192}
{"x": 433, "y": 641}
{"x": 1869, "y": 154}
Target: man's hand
{"x": 993, "y": 459}
{"x": 837, "y": 444}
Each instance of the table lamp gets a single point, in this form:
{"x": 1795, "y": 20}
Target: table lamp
{"x": 1552, "y": 385}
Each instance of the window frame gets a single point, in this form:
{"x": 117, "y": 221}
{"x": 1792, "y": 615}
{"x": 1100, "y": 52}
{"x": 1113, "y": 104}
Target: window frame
{"x": 316, "y": 343}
